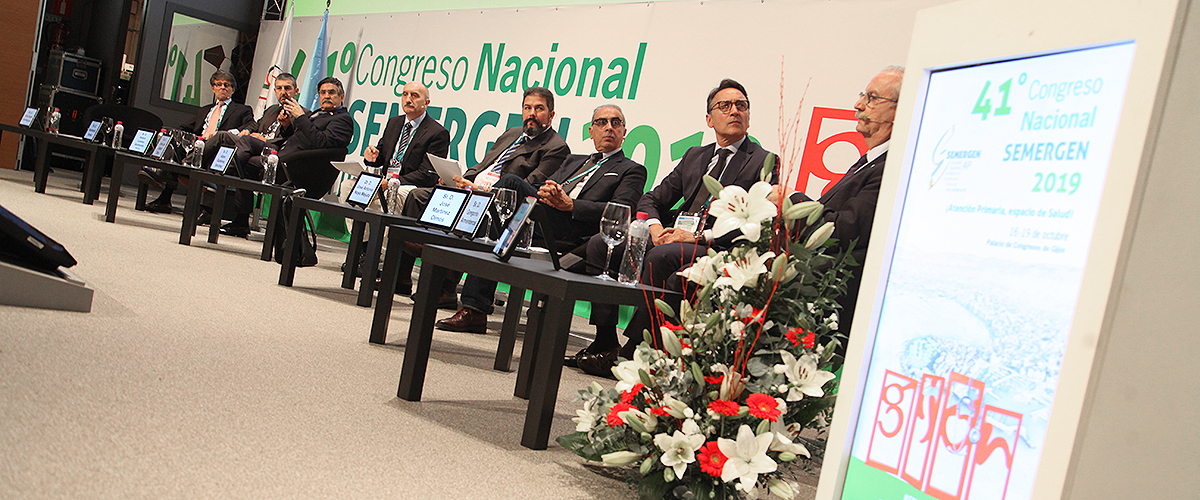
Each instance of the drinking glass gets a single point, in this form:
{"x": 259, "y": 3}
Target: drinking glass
{"x": 614, "y": 224}
{"x": 505, "y": 203}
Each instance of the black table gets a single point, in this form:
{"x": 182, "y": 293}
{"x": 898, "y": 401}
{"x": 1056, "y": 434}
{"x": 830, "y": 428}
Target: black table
{"x": 92, "y": 169}
{"x": 397, "y": 235}
{"x": 555, "y": 293}
{"x": 362, "y": 217}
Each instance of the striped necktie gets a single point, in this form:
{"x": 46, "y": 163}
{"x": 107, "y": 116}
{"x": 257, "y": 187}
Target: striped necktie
{"x": 402, "y": 148}
{"x": 508, "y": 153}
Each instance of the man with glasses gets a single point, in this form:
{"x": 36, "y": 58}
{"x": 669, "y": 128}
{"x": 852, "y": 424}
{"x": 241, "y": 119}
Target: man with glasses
{"x": 532, "y": 151}
{"x": 222, "y": 114}
{"x": 680, "y": 235}
{"x": 573, "y": 198}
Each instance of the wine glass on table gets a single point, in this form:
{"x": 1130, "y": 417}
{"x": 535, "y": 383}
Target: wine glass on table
{"x": 504, "y": 201}
{"x": 614, "y": 224}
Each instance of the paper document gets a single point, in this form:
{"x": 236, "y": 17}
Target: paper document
{"x": 352, "y": 168}
{"x": 447, "y": 169}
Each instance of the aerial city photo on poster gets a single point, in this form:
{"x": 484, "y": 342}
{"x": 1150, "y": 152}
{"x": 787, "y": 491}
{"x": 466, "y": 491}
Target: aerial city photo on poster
{"x": 1007, "y": 173}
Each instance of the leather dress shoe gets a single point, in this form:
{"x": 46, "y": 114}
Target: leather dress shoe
{"x": 572, "y": 361}
{"x": 159, "y": 207}
{"x": 599, "y": 364}
{"x": 150, "y": 176}
{"x": 204, "y": 219}
{"x": 465, "y": 320}
{"x": 238, "y": 230}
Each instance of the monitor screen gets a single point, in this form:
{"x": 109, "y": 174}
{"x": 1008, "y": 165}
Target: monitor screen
{"x": 364, "y": 189}
{"x": 997, "y": 207}
{"x": 91, "y": 131}
{"x": 28, "y": 116}
{"x": 444, "y": 207}
{"x": 477, "y": 205}
{"x": 141, "y": 141}
{"x": 221, "y": 160}
{"x": 160, "y": 149}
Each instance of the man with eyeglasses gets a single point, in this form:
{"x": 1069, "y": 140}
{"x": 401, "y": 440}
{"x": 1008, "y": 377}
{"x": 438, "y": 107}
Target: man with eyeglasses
{"x": 532, "y": 151}
{"x": 573, "y": 198}
{"x": 222, "y": 114}
{"x": 679, "y": 236}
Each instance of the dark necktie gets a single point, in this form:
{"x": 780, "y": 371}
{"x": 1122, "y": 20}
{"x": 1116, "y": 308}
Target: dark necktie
{"x": 508, "y": 153}
{"x": 700, "y": 199}
{"x": 862, "y": 161}
{"x": 568, "y": 186}
{"x": 402, "y": 147}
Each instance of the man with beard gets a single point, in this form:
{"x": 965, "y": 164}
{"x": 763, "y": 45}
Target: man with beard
{"x": 573, "y": 198}
{"x": 532, "y": 152}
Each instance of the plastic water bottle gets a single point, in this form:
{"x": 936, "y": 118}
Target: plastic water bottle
{"x": 118, "y": 130}
{"x": 635, "y": 250}
{"x": 393, "y": 194}
{"x": 269, "y": 167}
{"x": 55, "y": 118}
{"x": 198, "y": 154}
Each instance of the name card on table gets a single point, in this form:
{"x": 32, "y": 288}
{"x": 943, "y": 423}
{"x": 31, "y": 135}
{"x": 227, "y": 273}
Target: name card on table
{"x": 221, "y": 161}
{"x": 27, "y": 118}
{"x": 444, "y": 207}
{"x": 468, "y": 222}
{"x": 141, "y": 141}
{"x": 91, "y": 131}
{"x": 160, "y": 149}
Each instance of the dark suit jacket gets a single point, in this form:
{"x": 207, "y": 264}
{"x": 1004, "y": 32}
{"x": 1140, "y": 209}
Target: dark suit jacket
{"x": 619, "y": 179}
{"x": 535, "y": 161}
{"x": 237, "y": 116}
{"x": 415, "y": 169}
{"x": 685, "y": 182}
{"x": 320, "y": 130}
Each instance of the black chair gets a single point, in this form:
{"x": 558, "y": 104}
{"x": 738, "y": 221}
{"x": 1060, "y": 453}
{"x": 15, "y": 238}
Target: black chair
{"x": 312, "y": 170}
{"x": 133, "y": 119}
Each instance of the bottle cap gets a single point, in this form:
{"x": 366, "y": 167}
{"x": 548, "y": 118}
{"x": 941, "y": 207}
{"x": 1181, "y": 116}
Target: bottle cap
{"x": 643, "y": 216}
{"x": 118, "y": 122}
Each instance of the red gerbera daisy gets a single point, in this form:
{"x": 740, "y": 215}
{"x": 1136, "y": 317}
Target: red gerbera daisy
{"x": 714, "y": 379}
{"x": 763, "y": 406}
{"x": 627, "y": 396}
{"x": 728, "y": 408}
{"x": 711, "y": 459}
{"x": 614, "y": 419}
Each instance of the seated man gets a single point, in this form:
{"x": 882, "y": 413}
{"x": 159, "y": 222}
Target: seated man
{"x": 574, "y": 196}
{"x": 402, "y": 148}
{"x": 222, "y": 114}
{"x": 532, "y": 152}
{"x": 732, "y": 160}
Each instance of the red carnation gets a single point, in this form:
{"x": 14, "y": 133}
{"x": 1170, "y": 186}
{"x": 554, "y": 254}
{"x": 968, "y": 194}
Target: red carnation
{"x": 714, "y": 379}
{"x": 711, "y": 459}
{"x": 614, "y": 419}
{"x": 810, "y": 340}
{"x": 727, "y": 408}
{"x": 627, "y": 396}
{"x": 756, "y": 316}
{"x": 792, "y": 337}
{"x": 763, "y": 406}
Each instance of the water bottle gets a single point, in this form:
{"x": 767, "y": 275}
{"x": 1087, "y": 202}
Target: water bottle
{"x": 55, "y": 118}
{"x": 635, "y": 250}
{"x": 118, "y": 130}
{"x": 269, "y": 167}
{"x": 198, "y": 153}
{"x": 393, "y": 194}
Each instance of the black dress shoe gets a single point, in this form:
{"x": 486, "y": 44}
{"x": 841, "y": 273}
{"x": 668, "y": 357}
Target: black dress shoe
{"x": 599, "y": 364}
{"x": 159, "y": 207}
{"x": 204, "y": 219}
{"x": 573, "y": 360}
{"x": 238, "y": 230}
{"x": 465, "y": 320}
{"x": 150, "y": 176}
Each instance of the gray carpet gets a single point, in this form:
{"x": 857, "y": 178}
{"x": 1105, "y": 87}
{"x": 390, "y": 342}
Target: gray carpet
{"x": 197, "y": 376}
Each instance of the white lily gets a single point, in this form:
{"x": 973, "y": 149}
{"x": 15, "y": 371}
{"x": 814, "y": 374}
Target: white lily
{"x": 647, "y": 421}
{"x": 671, "y": 342}
{"x": 731, "y": 382}
{"x": 703, "y": 271}
{"x": 736, "y": 208}
{"x": 690, "y": 427}
{"x": 782, "y": 438}
{"x": 627, "y": 372}
{"x": 745, "y": 270}
{"x": 804, "y": 376}
{"x": 781, "y": 489}
{"x": 623, "y": 457}
{"x": 587, "y": 418}
{"x": 820, "y": 235}
{"x": 747, "y": 457}
{"x": 679, "y": 450}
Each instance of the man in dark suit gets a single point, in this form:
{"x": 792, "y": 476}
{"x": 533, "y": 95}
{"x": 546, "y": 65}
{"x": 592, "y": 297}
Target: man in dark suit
{"x": 533, "y": 152}
{"x": 222, "y": 114}
{"x": 574, "y": 199}
{"x": 406, "y": 140}
{"x": 681, "y": 235}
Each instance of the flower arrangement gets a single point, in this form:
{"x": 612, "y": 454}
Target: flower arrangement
{"x": 710, "y": 407}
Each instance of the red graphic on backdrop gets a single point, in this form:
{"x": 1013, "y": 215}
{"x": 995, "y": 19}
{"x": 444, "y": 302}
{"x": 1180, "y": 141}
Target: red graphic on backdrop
{"x": 812, "y": 161}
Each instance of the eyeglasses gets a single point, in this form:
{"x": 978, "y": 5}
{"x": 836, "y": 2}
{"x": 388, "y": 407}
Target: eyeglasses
{"x": 222, "y": 84}
{"x": 603, "y": 122}
{"x": 871, "y": 97}
{"x": 743, "y": 105}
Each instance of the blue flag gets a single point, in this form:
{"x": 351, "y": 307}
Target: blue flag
{"x": 316, "y": 70}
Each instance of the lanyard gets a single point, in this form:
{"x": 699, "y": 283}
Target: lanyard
{"x": 589, "y": 171}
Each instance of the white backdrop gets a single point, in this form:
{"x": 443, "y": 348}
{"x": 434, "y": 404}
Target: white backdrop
{"x": 657, "y": 61}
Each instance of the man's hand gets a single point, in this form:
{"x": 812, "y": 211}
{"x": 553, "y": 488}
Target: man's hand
{"x": 552, "y": 194}
{"x": 258, "y": 136}
{"x": 775, "y": 195}
{"x": 464, "y": 184}
{"x": 285, "y": 119}
{"x": 243, "y": 133}
{"x": 673, "y": 235}
{"x": 371, "y": 153}
{"x": 293, "y": 109}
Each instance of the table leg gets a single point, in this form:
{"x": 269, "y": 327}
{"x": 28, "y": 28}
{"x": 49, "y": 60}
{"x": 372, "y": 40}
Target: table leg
{"x": 529, "y": 350}
{"x": 191, "y": 205}
{"x": 218, "y": 213}
{"x": 547, "y": 375}
{"x": 352, "y": 250}
{"x": 508, "y": 332}
{"x": 269, "y": 238}
{"x": 366, "y": 288}
{"x": 40, "y": 172}
{"x": 291, "y": 247}
{"x": 420, "y": 334}
{"x": 89, "y": 179}
{"x": 114, "y": 190}
{"x": 139, "y": 201}
{"x": 387, "y": 288}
